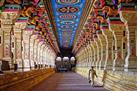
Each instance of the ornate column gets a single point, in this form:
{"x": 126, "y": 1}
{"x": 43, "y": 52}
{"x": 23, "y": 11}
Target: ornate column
{"x": 41, "y": 54}
{"x": 87, "y": 55}
{"x": 84, "y": 57}
{"x": 117, "y": 27}
{"x": 7, "y": 28}
{"x": 44, "y": 56}
{"x": 38, "y": 53}
{"x": 97, "y": 50}
{"x": 90, "y": 56}
{"x": 18, "y": 29}
{"x": 35, "y": 51}
{"x": 26, "y": 42}
{"x": 109, "y": 40}
{"x": 31, "y": 51}
{"x": 102, "y": 48}
{"x": 1, "y": 43}
{"x": 129, "y": 18}
{"x": 94, "y": 55}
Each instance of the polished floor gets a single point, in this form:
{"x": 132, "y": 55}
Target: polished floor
{"x": 66, "y": 82}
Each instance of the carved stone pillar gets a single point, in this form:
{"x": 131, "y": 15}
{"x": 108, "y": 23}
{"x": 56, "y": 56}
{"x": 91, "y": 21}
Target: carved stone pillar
{"x": 87, "y": 50}
{"x": 109, "y": 40}
{"x": 18, "y": 33}
{"x": 6, "y": 26}
{"x": 35, "y": 51}
{"x": 1, "y": 43}
{"x": 92, "y": 54}
{"x": 97, "y": 51}
{"x": 129, "y": 18}
{"x": 26, "y": 41}
{"x": 102, "y": 43}
{"x": 32, "y": 51}
{"x": 43, "y": 54}
{"x": 7, "y": 21}
{"x": 86, "y": 56}
{"x": 39, "y": 53}
{"x": 117, "y": 29}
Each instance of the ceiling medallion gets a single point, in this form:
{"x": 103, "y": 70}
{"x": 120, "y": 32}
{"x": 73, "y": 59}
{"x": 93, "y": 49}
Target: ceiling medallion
{"x": 69, "y": 30}
{"x": 68, "y": 1}
{"x": 68, "y": 9}
{"x": 66, "y": 27}
{"x": 67, "y": 22}
{"x": 67, "y": 16}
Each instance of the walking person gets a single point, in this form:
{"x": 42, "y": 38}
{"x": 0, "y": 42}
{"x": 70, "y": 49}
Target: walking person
{"x": 91, "y": 76}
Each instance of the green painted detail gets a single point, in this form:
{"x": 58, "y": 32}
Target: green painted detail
{"x": 1, "y": 9}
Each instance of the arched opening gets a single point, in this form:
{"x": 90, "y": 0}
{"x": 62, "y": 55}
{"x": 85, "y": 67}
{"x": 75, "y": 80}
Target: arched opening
{"x": 58, "y": 59}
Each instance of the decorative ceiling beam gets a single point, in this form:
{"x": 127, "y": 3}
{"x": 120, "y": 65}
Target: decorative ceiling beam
{"x": 85, "y": 14}
{"x": 48, "y": 6}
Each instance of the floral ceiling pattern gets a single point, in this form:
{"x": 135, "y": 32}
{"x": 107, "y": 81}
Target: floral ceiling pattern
{"x": 67, "y": 14}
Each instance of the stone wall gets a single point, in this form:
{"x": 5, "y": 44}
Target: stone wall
{"x": 114, "y": 80}
{"x": 23, "y": 81}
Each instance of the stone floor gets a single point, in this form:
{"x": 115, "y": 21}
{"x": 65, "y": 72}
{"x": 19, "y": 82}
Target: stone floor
{"x": 66, "y": 82}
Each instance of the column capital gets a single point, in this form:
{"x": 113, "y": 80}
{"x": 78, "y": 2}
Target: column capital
{"x": 6, "y": 28}
{"x": 130, "y": 17}
{"x": 8, "y": 17}
{"x": 19, "y": 26}
{"x": 6, "y": 21}
{"x": 117, "y": 27}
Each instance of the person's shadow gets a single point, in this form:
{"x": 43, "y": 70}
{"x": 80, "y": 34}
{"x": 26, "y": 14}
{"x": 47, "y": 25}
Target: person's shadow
{"x": 104, "y": 77}
{"x": 103, "y": 80}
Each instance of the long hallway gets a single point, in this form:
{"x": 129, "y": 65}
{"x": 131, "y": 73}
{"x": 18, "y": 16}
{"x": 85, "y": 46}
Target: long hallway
{"x": 41, "y": 37}
{"x": 66, "y": 82}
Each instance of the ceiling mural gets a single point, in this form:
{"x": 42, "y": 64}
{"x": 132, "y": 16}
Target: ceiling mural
{"x": 33, "y": 16}
{"x": 67, "y": 14}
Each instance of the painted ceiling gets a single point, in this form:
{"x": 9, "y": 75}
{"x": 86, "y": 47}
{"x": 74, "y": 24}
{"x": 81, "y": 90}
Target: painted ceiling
{"x": 67, "y": 15}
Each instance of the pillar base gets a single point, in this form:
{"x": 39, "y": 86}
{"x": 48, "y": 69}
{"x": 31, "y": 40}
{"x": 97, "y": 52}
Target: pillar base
{"x": 119, "y": 65}
{"x": 109, "y": 67}
{"x": 132, "y": 65}
{"x": 1, "y": 72}
{"x": 7, "y": 58}
{"x": 9, "y": 64}
{"x": 118, "y": 68}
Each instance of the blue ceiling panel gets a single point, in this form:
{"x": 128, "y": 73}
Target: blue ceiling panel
{"x": 67, "y": 14}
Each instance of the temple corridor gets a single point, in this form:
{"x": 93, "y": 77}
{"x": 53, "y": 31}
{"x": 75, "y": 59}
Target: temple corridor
{"x": 51, "y": 45}
{"x": 66, "y": 82}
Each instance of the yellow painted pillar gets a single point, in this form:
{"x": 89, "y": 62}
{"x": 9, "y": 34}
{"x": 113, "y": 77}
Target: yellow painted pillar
{"x": 102, "y": 49}
{"x": 95, "y": 52}
{"x": 99, "y": 48}
{"x": 109, "y": 40}
{"x": 92, "y": 52}
{"x": 129, "y": 18}
{"x": 117, "y": 29}
{"x": 90, "y": 55}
